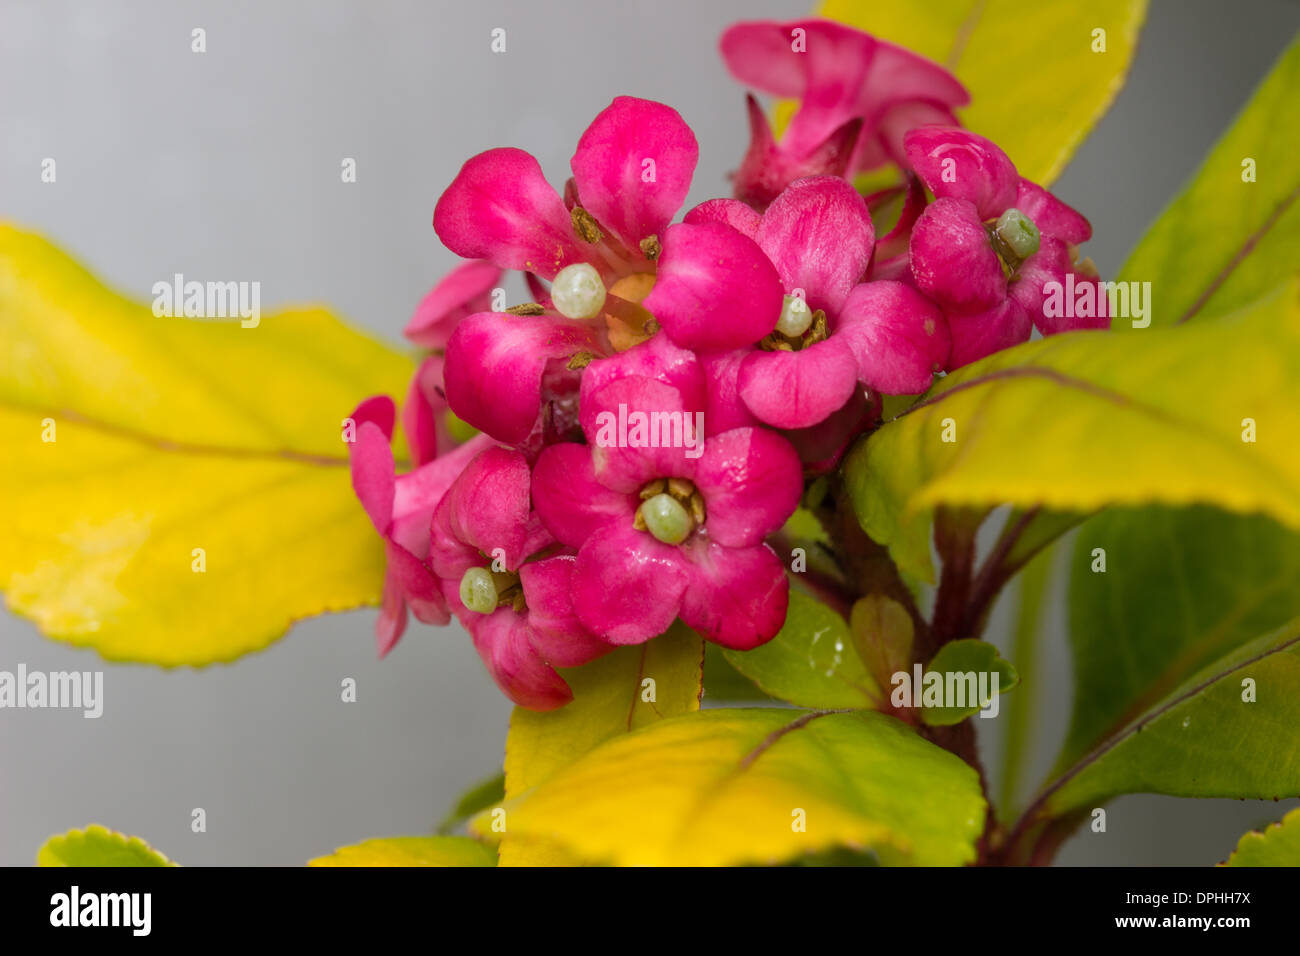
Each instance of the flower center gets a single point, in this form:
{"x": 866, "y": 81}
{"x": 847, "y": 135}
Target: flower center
{"x": 483, "y": 590}
{"x": 1015, "y": 238}
{"x": 798, "y": 327}
{"x": 671, "y": 508}
{"x": 796, "y": 317}
{"x": 578, "y": 292}
{"x": 629, "y": 324}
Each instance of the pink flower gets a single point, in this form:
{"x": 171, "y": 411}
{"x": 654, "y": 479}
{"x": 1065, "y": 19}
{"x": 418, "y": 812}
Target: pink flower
{"x": 424, "y": 413}
{"x": 463, "y": 291}
{"x": 661, "y": 534}
{"x": 400, "y": 507}
{"x": 508, "y": 584}
{"x": 619, "y": 271}
{"x": 988, "y": 246}
{"x": 515, "y": 377}
{"x": 841, "y": 76}
{"x": 631, "y": 171}
{"x": 834, "y": 332}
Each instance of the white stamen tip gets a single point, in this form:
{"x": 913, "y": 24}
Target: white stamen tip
{"x": 796, "y": 317}
{"x": 578, "y": 292}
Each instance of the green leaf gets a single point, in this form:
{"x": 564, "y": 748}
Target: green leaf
{"x": 882, "y": 633}
{"x": 1076, "y": 422}
{"x": 1225, "y": 241}
{"x": 174, "y": 435}
{"x": 482, "y": 795}
{"x": 1181, "y": 589}
{"x": 1205, "y": 739}
{"x": 969, "y": 657}
{"x": 1278, "y": 845}
{"x": 724, "y": 682}
{"x": 610, "y": 699}
{"x": 98, "y": 846}
{"x": 811, "y": 661}
{"x": 724, "y": 787}
{"x": 411, "y": 851}
{"x": 1036, "y": 86}
{"x": 1034, "y": 532}
{"x": 1021, "y": 720}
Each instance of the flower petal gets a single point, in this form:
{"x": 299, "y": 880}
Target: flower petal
{"x": 715, "y": 288}
{"x": 760, "y": 54}
{"x": 798, "y": 389}
{"x": 495, "y": 364}
{"x": 641, "y": 429}
{"x": 768, "y": 167}
{"x": 751, "y": 480}
{"x": 570, "y": 501}
{"x": 627, "y": 587}
{"x": 558, "y": 635}
{"x": 463, "y": 291}
{"x": 838, "y": 73}
{"x": 895, "y": 123}
{"x": 657, "y": 358}
{"x": 417, "y": 585}
{"x": 953, "y": 261}
{"x": 821, "y": 446}
{"x": 737, "y": 597}
{"x": 959, "y": 164}
{"x": 485, "y": 511}
{"x": 898, "y": 337}
{"x": 818, "y": 234}
{"x": 725, "y": 409}
{"x": 371, "y": 459}
{"x": 501, "y": 208}
{"x": 1075, "y": 312}
{"x": 418, "y": 492}
{"x": 1050, "y": 215}
{"x": 391, "y": 623}
{"x": 503, "y": 640}
{"x": 977, "y": 334}
{"x": 378, "y": 409}
{"x": 1034, "y": 277}
{"x": 633, "y": 167}
{"x": 736, "y": 214}
{"x": 424, "y": 411}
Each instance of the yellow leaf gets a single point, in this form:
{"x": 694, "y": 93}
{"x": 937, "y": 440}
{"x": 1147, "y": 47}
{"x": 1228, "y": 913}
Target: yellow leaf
{"x": 725, "y": 787}
{"x": 1200, "y": 414}
{"x": 1277, "y": 845}
{"x": 411, "y": 851}
{"x": 1036, "y": 85}
{"x": 1233, "y": 233}
{"x": 98, "y": 846}
{"x": 195, "y": 498}
{"x": 609, "y": 699}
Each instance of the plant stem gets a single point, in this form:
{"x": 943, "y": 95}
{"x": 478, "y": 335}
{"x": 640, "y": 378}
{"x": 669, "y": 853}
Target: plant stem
{"x": 954, "y": 536}
{"x": 867, "y": 566}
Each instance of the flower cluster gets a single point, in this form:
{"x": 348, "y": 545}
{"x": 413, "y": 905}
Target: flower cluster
{"x": 614, "y": 455}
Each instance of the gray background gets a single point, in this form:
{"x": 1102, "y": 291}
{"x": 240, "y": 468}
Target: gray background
{"x": 227, "y": 164}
